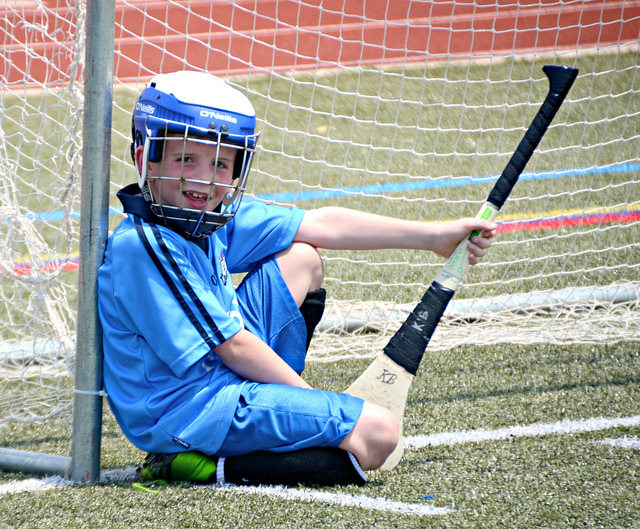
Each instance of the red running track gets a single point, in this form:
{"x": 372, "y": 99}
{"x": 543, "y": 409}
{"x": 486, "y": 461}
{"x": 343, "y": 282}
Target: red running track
{"x": 254, "y": 36}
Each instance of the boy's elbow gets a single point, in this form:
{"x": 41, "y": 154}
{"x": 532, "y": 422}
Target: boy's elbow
{"x": 231, "y": 351}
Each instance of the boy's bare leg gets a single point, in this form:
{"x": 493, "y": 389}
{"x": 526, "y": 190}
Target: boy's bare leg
{"x": 302, "y": 270}
{"x": 374, "y": 436}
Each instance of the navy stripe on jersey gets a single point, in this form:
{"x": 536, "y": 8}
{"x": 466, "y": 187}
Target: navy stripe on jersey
{"x": 183, "y": 281}
{"x": 186, "y": 285}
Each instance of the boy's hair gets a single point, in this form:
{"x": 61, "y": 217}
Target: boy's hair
{"x": 191, "y": 104}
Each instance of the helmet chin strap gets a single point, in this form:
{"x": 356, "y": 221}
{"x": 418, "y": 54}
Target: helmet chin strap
{"x": 146, "y": 193}
{"x": 191, "y": 224}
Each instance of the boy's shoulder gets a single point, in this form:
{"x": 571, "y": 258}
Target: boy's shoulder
{"x": 250, "y": 203}
{"x": 124, "y": 241}
{"x": 253, "y": 211}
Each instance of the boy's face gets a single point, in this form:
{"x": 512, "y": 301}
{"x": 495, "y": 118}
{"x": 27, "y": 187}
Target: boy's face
{"x": 186, "y": 175}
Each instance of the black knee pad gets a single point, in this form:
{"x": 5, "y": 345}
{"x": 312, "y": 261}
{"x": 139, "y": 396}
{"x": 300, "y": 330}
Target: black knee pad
{"x": 312, "y": 309}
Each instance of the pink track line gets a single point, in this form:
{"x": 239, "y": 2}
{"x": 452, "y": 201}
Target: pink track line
{"x": 555, "y": 223}
{"x": 569, "y": 222}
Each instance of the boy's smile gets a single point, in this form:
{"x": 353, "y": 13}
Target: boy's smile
{"x": 192, "y": 174}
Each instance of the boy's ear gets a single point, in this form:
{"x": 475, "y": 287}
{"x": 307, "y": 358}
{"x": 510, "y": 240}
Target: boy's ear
{"x": 137, "y": 156}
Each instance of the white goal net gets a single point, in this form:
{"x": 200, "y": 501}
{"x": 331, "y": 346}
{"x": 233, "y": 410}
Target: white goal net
{"x": 406, "y": 108}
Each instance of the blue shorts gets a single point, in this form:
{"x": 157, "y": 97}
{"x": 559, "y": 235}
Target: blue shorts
{"x": 277, "y": 417}
{"x": 270, "y": 312}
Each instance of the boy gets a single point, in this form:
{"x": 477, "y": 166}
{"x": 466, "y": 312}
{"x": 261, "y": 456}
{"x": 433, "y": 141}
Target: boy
{"x": 205, "y": 376}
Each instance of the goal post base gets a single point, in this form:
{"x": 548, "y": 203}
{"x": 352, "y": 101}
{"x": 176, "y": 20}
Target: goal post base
{"x": 34, "y": 463}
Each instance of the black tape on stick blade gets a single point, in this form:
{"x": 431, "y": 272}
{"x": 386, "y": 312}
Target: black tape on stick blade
{"x": 407, "y": 346}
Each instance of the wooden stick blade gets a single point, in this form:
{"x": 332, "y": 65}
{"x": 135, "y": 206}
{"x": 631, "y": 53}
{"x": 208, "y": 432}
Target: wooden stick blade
{"x": 386, "y": 384}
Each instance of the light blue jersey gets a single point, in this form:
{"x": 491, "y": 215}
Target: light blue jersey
{"x": 165, "y": 303}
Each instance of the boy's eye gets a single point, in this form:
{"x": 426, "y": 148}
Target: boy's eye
{"x": 223, "y": 164}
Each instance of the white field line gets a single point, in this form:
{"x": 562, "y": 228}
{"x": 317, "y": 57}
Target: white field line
{"x": 531, "y": 430}
{"x": 623, "y": 442}
{"x": 348, "y": 500}
{"x": 32, "y": 485}
{"x": 368, "y": 502}
{"x": 309, "y": 495}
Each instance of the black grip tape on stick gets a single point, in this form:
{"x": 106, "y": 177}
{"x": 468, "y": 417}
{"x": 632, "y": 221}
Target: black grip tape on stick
{"x": 406, "y": 348}
{"x": 560, "y": 80}
{"x": 408, "y": 344}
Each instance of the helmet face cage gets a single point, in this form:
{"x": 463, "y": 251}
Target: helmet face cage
{"x": 195, "y": 223}
{"x": 193, "y": 108}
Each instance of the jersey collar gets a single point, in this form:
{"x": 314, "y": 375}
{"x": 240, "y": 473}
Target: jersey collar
{"x": 134, "y": 203}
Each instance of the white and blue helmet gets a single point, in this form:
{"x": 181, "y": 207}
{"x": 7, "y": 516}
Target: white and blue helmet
{"x": 194, "y": 104}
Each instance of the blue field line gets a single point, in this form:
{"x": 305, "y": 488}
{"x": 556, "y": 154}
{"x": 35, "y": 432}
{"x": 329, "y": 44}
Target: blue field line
{"x": 442, "y": 182}
{"x": 393, "y": 187}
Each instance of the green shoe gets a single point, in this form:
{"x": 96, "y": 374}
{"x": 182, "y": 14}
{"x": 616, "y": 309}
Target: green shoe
{"x": 185, "y": 466}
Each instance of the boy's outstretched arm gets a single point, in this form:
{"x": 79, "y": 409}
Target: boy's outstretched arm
{"x": 347, "y": 229}
{"x": 251, "y": 358}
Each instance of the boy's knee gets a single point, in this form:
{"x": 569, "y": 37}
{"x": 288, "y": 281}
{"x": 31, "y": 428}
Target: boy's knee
{"x": 376, "y": 435}
{"x": 308, "y": 257}
{"x": 384, "y": 443}
{"x": 302, "y": 269}
{"x": 389, "y": 434}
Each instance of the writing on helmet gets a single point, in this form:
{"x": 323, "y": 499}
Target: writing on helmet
{"x": 218, "y": 115}
{"x": 144, "y": 107}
